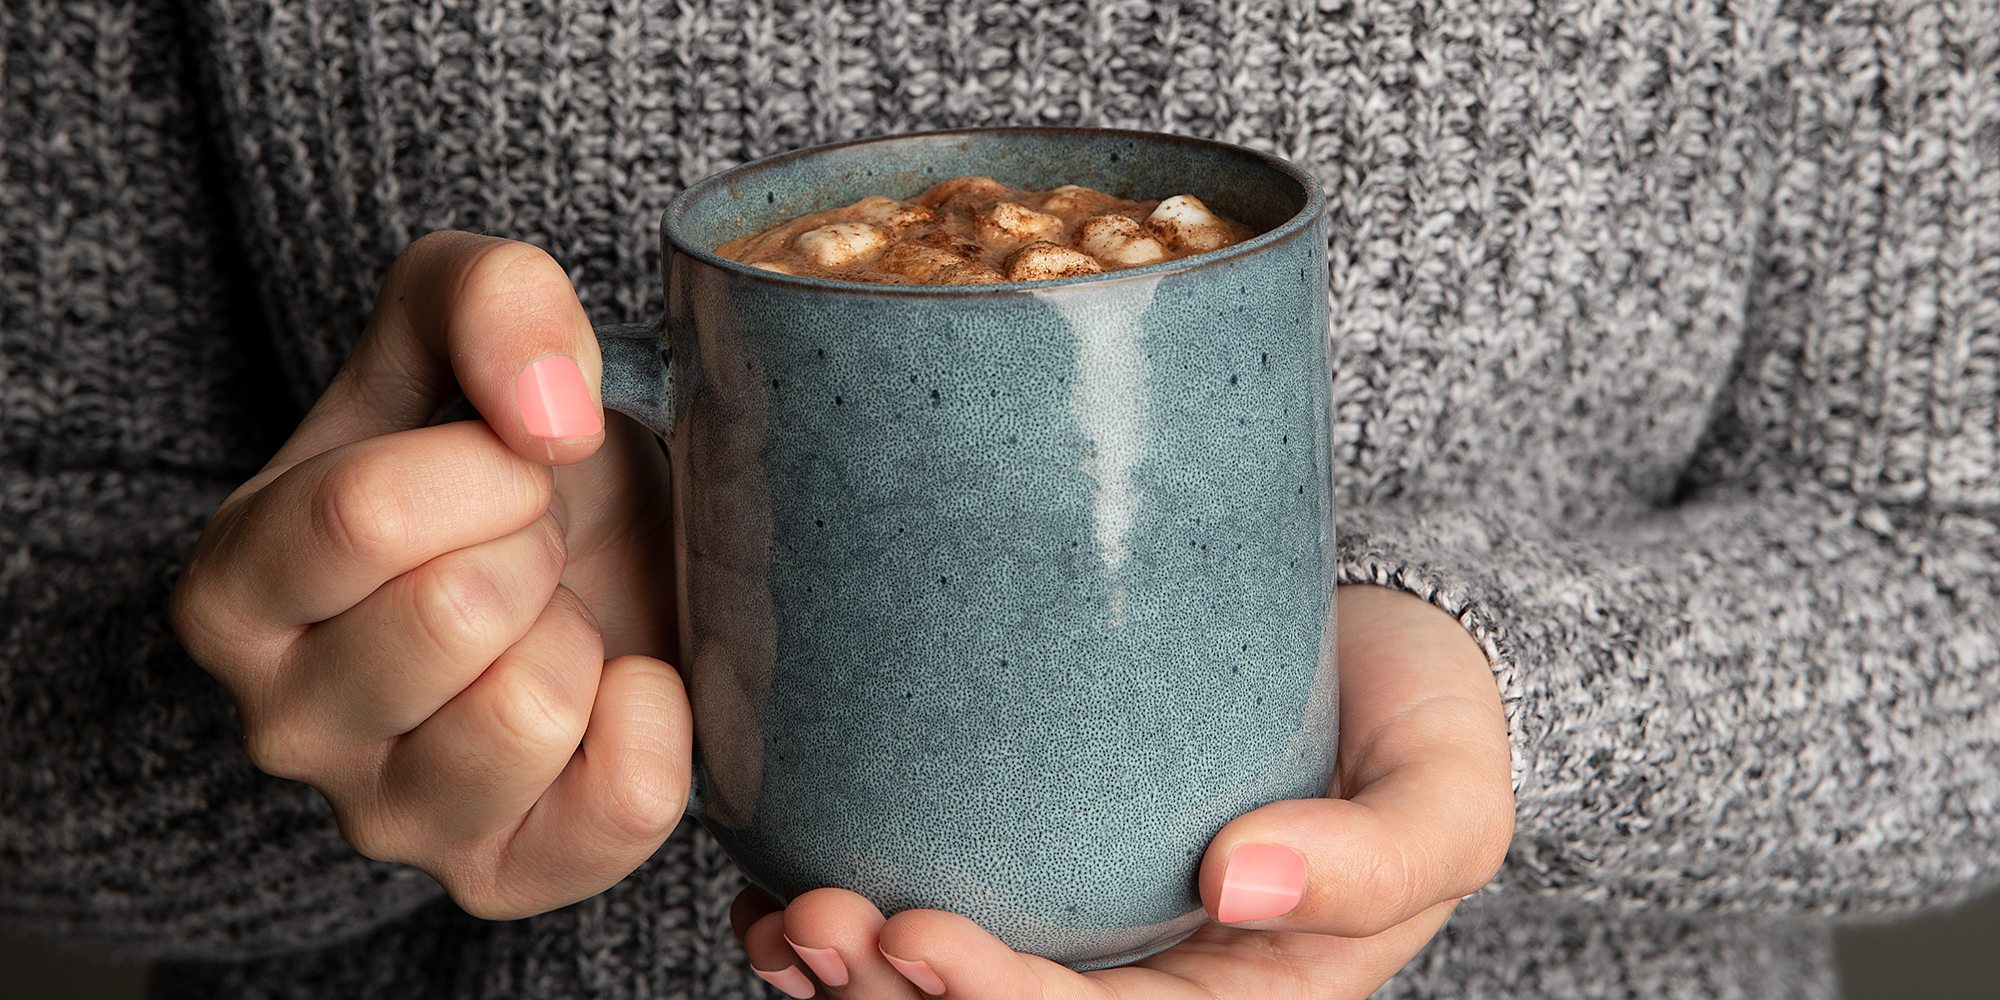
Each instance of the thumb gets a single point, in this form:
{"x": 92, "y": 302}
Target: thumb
{"x": 461, "y": 313}
{"x": 1431, "y": 830}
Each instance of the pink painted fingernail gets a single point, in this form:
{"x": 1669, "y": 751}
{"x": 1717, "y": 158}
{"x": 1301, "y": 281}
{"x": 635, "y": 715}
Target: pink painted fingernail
{"x": 1261, "y": 881}
{"x": 918, "y": 973}
{"x": 790, "y": 979}
{"x": 825, "y": 963}
{"x": 555, "y": 400}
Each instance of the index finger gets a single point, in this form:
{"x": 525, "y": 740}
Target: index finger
{"x": 318, "y": 538}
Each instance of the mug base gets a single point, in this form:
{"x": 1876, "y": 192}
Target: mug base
{"x": 1170, "y": 933}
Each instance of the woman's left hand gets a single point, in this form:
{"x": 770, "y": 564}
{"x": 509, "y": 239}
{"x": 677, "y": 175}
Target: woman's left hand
{"x": 1321, "y": 898}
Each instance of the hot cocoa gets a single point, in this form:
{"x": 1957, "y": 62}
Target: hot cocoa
{"x": 975, "y": 230}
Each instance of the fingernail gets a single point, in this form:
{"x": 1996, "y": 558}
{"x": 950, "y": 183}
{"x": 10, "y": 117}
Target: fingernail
{"x": 790, "y": 979}
{"x": 1261, "y": 881}
{"x": 555, "y": 400}
{"x": 825, "y": 963}
{"x": 918, "y": 973}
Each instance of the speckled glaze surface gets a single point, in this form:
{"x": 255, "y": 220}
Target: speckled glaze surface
{"x": 1000, "y": 599}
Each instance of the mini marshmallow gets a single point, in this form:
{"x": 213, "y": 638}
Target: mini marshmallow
{"x": 963, "y": 190}
{"x": 1072, "y": 198}
{"x": 957, "y": 246}
{"x": 913, "y": 260}
{"x": 1014, "y": 223}
{"x": 970, "y": 274}
{"x": 931, "y": 266}
{"x": 1116, "y": 239}
{"x": 1188, "y": 226}
{"x": 888, "y": 212}
{"x": 875, "y": 207}
{"x": 771, "y": 265}
{"x": 909, "y": 215}
{"x": 842, "y": 243}
{"x": 1042, "y": 260}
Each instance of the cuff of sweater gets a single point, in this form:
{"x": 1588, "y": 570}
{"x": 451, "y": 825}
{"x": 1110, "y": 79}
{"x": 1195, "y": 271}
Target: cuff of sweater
{"x": 1375, "y": 548}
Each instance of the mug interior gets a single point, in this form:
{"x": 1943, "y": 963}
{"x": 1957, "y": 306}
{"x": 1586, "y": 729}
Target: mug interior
{"x": 1266, "y": 193}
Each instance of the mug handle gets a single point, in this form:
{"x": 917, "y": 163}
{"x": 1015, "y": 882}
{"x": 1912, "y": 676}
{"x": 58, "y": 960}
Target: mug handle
{"x": 638, "y": 382}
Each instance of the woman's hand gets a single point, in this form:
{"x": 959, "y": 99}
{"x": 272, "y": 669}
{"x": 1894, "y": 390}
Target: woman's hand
{"x": 1320, "y": 898}
{"x": 414, "y": 619}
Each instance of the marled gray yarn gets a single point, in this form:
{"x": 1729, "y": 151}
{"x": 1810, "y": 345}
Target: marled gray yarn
{"x": 1669, "y": 345}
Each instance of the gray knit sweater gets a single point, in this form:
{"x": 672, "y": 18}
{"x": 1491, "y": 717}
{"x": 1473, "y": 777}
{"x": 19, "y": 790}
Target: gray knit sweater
{"x": 1668, "y": 343}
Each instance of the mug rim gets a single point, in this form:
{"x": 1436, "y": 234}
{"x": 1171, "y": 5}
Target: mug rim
{"x": 1305, "y": 217}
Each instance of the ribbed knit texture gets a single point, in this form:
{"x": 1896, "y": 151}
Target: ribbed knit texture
{"x": 1668, "y": 341}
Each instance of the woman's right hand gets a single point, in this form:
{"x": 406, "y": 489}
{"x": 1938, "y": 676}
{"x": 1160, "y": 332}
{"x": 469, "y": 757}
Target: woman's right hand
{"x": 404, "y": 613}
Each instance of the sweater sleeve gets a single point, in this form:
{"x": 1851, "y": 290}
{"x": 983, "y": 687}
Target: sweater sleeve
{"x": 134, "y": 394}
{"x": 1781, "y": 693}
{"x": 1754, "y": 702}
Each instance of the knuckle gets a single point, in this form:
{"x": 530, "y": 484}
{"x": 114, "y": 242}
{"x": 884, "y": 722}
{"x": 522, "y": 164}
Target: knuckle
{"x": 213, "y": 629}
{"x": 533, "y": 713}
{"x": 279, "y": 747}
{"x": 475, "y": 902}
{"x": 407, "y": 272}
{"x": 189, "y": 607}
{"x": 428, "y": 243}
{"x": 555, "y": 545}
{"x": 510, "y": 270}
{"x": 1495, "y": 837}
{"x": 484, "y": 885}
{"x": 485, "y": 898}
{"x": 647, "y": 799}
{"x": 514, "y": 489}
{"x": 1468, "y": 860}
{"x": 534, "y": 485}
{"x": 565, "y": 606}
{"x": 1388, "y": 894}
{"x": 373, "y": 833}
{"x": 416, "y": 252}
{"x": 361, "y": 510}
{"x": 459, "y": 607}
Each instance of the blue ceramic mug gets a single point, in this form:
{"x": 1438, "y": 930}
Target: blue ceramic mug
{"x": 1000, "y": 599}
